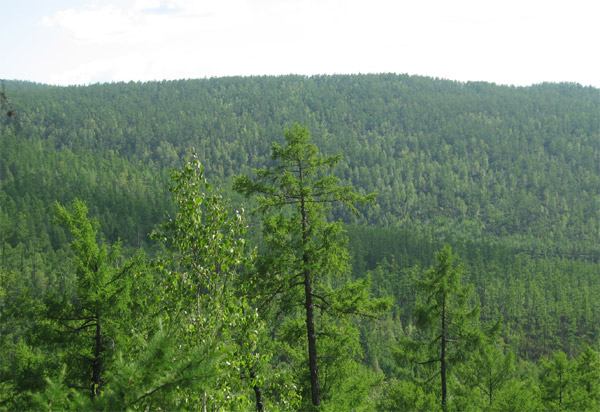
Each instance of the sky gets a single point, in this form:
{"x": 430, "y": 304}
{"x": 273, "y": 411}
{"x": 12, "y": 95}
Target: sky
{"x": 512, "y": 42}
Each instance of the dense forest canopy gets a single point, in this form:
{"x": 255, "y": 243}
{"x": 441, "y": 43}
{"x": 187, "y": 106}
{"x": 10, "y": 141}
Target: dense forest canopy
{"x": 508, "y": 176}
{"x": 476, "y": 158}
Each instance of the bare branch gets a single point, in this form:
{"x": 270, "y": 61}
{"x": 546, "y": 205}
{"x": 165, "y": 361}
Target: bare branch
{"x": 432, "y": 378}
{"x": 325, "y": 301}
{"x": 428, "y": 362}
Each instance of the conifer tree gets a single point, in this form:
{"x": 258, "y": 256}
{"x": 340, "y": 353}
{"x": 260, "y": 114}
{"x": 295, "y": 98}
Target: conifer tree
{"x": 555, "y": 381}
{"x": 92, "y": 319}
{"x": 447, "y": 323}
{"x": 586, "y": 376}
{"x": 305, "y": 251}
{"x": 486, "y": 373}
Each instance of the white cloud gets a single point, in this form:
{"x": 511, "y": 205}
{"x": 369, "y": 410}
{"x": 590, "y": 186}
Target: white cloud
{"x": 469, "y": 39}
{"x": 149, "y": 21}
{"x": 141, "y": 5}
{"x": 95, "y": 24}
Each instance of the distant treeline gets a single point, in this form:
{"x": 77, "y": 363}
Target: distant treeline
{"x": 512, "y": 163}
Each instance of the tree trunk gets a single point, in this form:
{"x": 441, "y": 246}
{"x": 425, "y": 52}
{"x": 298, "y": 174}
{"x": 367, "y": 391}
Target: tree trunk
{"x": 308, "y": 305}
{"x": 259, "y": 399}
{"x": 312, "y": 341}
{"x": 491, "y": 387}
{"x": 560, "y": 389}
{"x": 97, "y": 366}
{"x": 443, "y": 357}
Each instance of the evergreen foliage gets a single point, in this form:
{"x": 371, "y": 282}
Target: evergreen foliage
{"x": 92, "y": 318}
{"x": 97, "y": 315}
{"x": 306, "y": 256}
{"x": 448, "y": 324}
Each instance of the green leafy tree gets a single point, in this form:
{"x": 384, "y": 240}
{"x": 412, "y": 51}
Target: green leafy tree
{"x": 196, "y": 354}
{"x": 306, "y": 253}
{"x": 447, "y": 323}
{"x": 203, "y": 300}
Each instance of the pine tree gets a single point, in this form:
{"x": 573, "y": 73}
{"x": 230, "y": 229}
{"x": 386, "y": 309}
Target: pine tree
{"x": 447, "y": 323}
{"x": 92, "y": 318}
{"x": 555, "y": 381}
{"x": 486, "y": 373}
{"x": 586, "y": 377}
{"x": 306, "y": 253}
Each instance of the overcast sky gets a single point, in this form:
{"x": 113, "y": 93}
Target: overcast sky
{"x": 518, "y": 42}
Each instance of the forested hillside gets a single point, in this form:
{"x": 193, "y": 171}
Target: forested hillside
{"x": 508, "y": 176}
{"x": 478, "y": 158}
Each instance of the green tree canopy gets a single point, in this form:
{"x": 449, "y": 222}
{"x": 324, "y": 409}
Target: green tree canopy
{"x": 446, "y": 320}
{"x": 306, "y": 253}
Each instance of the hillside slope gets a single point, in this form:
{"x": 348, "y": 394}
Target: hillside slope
{"x": 475, "y": 159}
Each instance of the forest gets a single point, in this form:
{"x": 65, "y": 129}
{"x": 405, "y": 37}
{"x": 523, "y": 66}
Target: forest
{"x": 328, "y": 243}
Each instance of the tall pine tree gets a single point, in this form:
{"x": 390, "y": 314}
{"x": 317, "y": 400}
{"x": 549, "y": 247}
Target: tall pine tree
{"x": 306, "y": 253}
